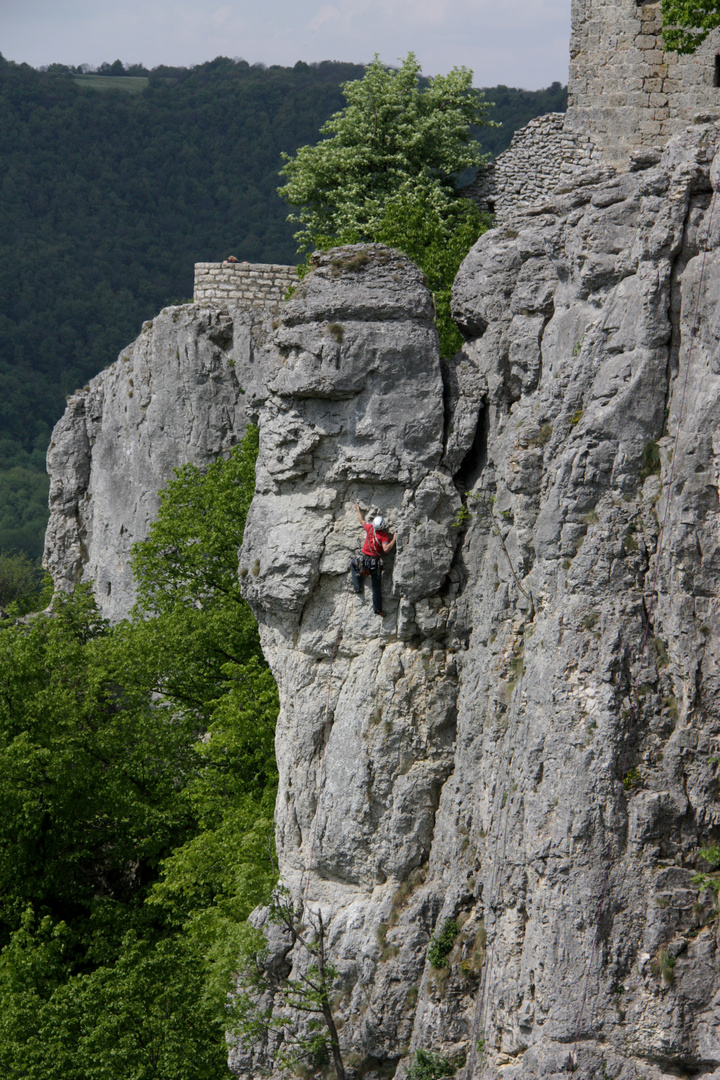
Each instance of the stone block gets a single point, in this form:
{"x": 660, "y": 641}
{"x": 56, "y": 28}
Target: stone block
{"x": 655, "y": 56}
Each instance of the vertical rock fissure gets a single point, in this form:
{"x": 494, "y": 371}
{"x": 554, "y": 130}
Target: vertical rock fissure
{"x": 474, "y": 462}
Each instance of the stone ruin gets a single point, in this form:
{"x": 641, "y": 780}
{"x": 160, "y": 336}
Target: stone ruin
{"x": 626, "y": 98}
{"x": 248, "y": 285}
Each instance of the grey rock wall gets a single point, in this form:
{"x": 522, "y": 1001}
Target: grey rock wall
{"x": 473, "y": 755}
{"x": 542, "y": 157}
{"x": 176, "y": 395}
{"x": 497, "y": 748}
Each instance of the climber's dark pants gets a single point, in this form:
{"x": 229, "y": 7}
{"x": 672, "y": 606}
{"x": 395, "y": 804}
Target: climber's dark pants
{"x": 358, "y": 580}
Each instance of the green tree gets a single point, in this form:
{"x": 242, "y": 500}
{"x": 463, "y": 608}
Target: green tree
{"x": 21, "y": 580}
{"x": 687, "y": 23}
{"x": 386, "y": 172}
{"x": 137, "y": 784}
{"x": 305, "y": 1032}
{"x": 437, "y": 239}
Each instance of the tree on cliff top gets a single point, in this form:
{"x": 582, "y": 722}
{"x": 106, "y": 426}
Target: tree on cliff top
{"x": 385, "y": 172}
{"x": 686, "y": 23}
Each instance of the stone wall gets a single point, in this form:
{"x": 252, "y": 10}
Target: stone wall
{"x": 626, "y": 98}
{"x": 541, "y": 157}
{"x": 623, "y": 88}
{"x": 249, "y": 284}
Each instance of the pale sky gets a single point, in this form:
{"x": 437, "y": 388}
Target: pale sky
{"x": 517, "y": 42}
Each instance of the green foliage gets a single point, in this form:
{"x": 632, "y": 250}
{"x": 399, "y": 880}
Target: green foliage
{"x": 441, "y": 943}
{"x": 543, "y": 437}
{"x": 312, "y": 1039}
{"x": 22, "y": 582}
{"x": 190, "y": 556}
{"x": 429, "y": 1066}
{"x": 141, "y": 1017}
{"x": 687, "y": 23}
{"x": 663, "y": 967}
{"x": 395, "y": 136}
{"x": 632, "y": 779}
{"x": 437, "y": 238}
{"x": 711, "y": 855}
{"x": 386, "y": 172}
{"x": 137, "y": 783}
{"x": 651, "y": 464}
{"x": 23, "y": 493}
{"x": 188, "y": 581}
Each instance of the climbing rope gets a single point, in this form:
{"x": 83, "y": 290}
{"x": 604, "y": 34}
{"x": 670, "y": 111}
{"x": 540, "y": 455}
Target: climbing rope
{"x": 326, "y": 722}
{"x": 650, "y": 608}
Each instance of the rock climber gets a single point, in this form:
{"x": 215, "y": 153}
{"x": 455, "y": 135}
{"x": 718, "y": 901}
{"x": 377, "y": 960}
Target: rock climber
{"x": 369, "y": 562}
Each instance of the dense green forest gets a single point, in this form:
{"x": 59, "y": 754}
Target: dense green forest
{"x": 113, "y": 184}
{"x": 137, "y": 785}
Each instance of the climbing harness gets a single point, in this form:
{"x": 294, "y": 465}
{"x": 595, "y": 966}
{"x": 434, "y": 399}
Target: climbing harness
{"x": 643, "y": 647}
{"x": 368, "y": 564}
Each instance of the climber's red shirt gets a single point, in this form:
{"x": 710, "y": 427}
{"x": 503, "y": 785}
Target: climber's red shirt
{"x": 374, "y": 540}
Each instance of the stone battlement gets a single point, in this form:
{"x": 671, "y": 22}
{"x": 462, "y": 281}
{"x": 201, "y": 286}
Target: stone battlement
{"x": 261, "y": 285}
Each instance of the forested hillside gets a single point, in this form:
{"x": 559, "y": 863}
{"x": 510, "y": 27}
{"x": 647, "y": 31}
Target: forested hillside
{"x": 113, "y": 185}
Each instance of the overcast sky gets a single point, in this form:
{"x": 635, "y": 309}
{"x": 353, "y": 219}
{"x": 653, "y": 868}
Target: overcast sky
{"x": 516, "y": 42}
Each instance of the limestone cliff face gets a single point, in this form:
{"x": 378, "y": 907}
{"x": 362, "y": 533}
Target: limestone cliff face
{"x": 498, "y": 749}
{"x": 176, "y": 395}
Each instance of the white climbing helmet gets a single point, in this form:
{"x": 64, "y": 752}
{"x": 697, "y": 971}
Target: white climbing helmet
{"x": 379, "y": 522}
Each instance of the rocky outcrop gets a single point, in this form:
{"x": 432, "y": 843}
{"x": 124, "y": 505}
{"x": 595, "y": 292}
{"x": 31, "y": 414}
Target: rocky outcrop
{"x": 176, "y": 395}
{"x": 527, "y": 742}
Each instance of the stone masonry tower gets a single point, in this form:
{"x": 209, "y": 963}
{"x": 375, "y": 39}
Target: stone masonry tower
{"x": 624, "y": 91}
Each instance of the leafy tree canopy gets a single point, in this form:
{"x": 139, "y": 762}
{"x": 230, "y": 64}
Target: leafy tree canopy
{"x": 394, "y": 138}
{"x": 386, "y": 172}
{"x": 687, "y": 23}
{"x": 137, "y": 785}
